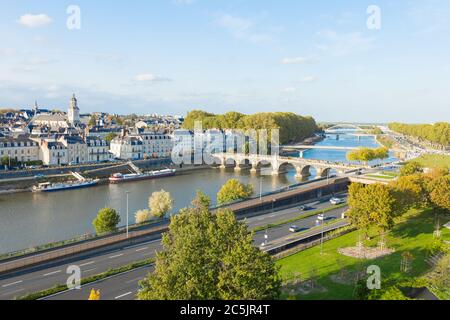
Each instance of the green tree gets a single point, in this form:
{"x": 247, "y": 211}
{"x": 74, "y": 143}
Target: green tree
{"x": 373, "y": 205}
{"x": 93, "y": 120}
{"x": 210, "y": 257}
{"x": 411, "y": 191}
{"x": 410, "y": 168}
{"x": 440, "y": 192}
{"x": 106, "y": 221}
{"x": 160, "y": 203}
{"x": 367, "y": 154}
{"x": 110, "y": 136}
{"x": 201, "y": 201}
{"x": 234, "y": 190}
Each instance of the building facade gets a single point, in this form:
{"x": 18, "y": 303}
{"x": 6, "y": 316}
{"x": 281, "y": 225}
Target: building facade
{"x": 19, "y": 149}
{"x": 98, "y": 150}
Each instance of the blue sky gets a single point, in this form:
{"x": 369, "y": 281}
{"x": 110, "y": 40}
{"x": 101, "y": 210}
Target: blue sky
{"x": 169, "y": 56}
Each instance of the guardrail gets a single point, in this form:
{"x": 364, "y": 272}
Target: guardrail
{"x": 76, "y": 249}
{"x": 304, "y": 239}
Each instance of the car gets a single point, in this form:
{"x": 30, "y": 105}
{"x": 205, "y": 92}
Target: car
{"x": 304, "y": 208}
{"x": 336, "y": 201}
{"x": 39, "y": 175}
{"x": 294, "y": 229}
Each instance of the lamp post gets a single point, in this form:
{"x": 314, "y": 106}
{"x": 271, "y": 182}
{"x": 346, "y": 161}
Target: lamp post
{"x": 260, "y": 188}
{"x": 128, "y": 193}
{"x": 321, "y": 218}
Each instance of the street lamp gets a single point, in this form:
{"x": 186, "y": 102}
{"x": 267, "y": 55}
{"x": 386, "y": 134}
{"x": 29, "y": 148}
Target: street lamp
{"x": 260, "y": 188}
{"x": 128, "y": 193}
{"x": 266, "y": 238}
{"x": 321, "y": 217}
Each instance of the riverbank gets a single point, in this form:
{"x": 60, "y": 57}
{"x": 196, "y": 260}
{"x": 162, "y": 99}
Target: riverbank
{"x": 21, "y": 185}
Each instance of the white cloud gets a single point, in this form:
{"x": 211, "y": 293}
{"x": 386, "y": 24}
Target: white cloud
{"x": 34, "y": 21}
{"x": 242, "y": 28}
{"x": 309, "y": 79}
{"x": 340, "y": 44}
{"x": 41, "y": 61}
{"x": 183, "y": 2}
{"x": 148, "y": 77}
{"x": 7, "y": 51}
{"x": 289, "y": 90}
{"x": 299, "y": 60}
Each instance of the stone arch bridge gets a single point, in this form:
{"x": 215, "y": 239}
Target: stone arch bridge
{"x": 279, "y": 164}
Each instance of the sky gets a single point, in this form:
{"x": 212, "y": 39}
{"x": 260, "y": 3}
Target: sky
{"x": 316, "y": 58}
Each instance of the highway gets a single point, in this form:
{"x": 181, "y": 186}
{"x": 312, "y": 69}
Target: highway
{"x": 46, "y": 276}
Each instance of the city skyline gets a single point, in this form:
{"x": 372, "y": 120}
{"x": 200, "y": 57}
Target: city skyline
{"x": 172, "y": 56}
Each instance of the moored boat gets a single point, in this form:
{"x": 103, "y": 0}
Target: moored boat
{"x": 53, "y": 187}
{"x": 120, "y": 178}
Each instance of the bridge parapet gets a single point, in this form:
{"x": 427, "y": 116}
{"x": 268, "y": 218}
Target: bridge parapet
{"x": 301, "y": 165}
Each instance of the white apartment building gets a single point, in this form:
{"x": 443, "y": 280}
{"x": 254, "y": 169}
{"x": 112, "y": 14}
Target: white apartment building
{"x": 98, "y": 150}
{"x": 52, "y": 153}
{"x": 127, "y": 148}
{"x": 77, "y": 149}
{"x": 141, "y": 146}
{"x": 156, "y": 145}
{"x": 182, "y": 141}
{"x": 19, "y": 149}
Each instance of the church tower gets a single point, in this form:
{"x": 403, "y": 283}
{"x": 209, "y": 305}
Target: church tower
{"x": 73, "y": 115}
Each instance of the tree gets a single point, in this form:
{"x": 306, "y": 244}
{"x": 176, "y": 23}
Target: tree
{"x": 160, "y": 203}
{"x": 373, "y": 205}
{"x": 356, "y": 213}
{"x": 410, "y": 168}
{"x": 201, "y": 201}
{"x": 142, "y": 216}
{"x": 440, "y": 192}
{"x": 411, "y": 191}
{"x": 233, "y": 190}
{"x": 110, "y": 136}
{"x": 210, "y": 257}
{"x": 106, "y": 221}
{"x": 439, "y": 133}
{"x": 94, "y": 295}
{"x": 93, "y": 121}
{"x": 367, "y": 154}
{"x": 292, "y": 127}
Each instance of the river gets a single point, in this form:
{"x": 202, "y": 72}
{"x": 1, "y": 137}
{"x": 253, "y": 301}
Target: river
{"x": 31, "y": 219}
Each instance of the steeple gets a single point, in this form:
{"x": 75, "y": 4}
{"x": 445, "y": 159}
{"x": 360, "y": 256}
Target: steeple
{"x": 73, "y": 114}
{"x": 36, "y": 107}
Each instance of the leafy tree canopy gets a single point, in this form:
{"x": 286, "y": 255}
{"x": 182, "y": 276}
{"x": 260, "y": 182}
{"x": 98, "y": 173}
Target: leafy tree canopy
{"x": 210, "y": 257}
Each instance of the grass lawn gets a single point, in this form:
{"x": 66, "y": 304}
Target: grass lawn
{"x": 414, "y": 233}
{"x": 434, "y": 160}
{"x": 380, "y": 176}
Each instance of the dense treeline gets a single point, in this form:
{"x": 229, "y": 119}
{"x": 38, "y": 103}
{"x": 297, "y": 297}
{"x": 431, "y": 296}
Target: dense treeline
{"x": 293, "y": 128}
{"x": 438, "y": 133}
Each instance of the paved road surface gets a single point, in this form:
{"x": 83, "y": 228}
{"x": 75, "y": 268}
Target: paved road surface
{"x": 46, "y": 276}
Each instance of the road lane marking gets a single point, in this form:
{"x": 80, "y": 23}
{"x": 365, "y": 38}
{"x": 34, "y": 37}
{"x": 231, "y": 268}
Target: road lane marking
{"x": 87, "y": 264}
{"x": 116, "y": 256}
{"x": 134, "y": 280}
{"x": 11, "y": 284}
{"x": 86, "y": 271}
{"x": 52, "y": 273}
{"x": 123, "y": 295}
{"x": 142, "y": 249}
{"x": 12, "y": 292}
